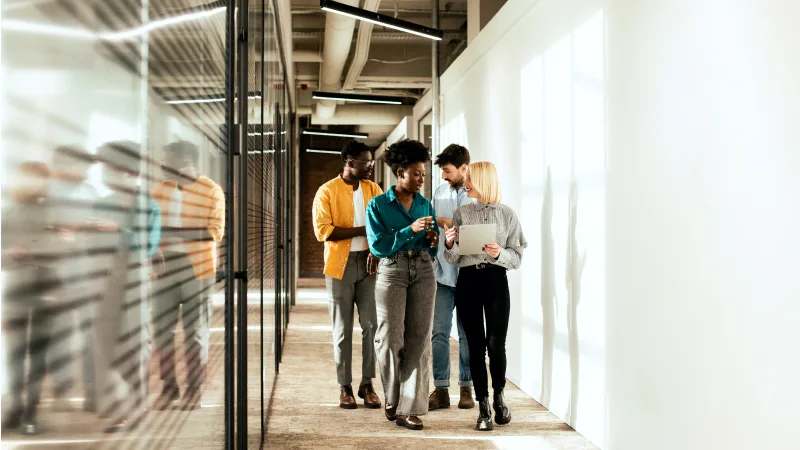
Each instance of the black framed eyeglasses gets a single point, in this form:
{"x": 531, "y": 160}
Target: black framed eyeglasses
{"x": 365, "y": 163}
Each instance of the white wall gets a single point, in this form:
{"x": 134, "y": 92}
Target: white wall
{"x": 704, "y": 156}
{"x": 531, "y": 109}
{"x": 656, "y": 147}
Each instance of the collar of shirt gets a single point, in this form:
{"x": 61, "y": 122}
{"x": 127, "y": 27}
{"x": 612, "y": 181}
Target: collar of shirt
{"x": 390, "y": 195}
{"x": 479, "y": 206}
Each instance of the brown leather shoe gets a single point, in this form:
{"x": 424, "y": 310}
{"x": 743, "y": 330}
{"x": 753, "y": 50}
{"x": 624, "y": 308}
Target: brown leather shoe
{"x": 346, "y": 399}
{"x": 440, "y": 398}
{"x": 168, "y": 395}
{"x": 371, "y": 399}
{"x": 466, "y": 401}
{"x": 191, "y": 399}
{"x": 410, "y": 422}
{"x": 391, "y": 412}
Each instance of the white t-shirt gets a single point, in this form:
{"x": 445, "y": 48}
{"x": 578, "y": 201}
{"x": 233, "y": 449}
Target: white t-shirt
{"x": 359, "y": 220}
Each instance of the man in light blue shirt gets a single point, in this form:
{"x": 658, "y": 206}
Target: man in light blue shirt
{"x": 448, "y": 197}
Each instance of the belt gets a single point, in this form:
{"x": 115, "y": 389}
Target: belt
{"x": 413, "y": 253}
{"x": 483, "y": 265}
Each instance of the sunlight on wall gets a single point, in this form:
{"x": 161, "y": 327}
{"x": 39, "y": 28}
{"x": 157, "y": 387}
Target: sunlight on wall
{"x": 562, "y": 131}
{"x": 551, "y": 160}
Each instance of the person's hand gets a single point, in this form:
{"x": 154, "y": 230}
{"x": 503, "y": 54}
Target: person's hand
{"x": 372, "y": 264}
{"x": 159, "y": 266}
{"x": 422, "y": 224}
{"x": 66, "y": 234}
{"x": 492, "y": 250}
{"x": 18, "y": 252}
{"x": 449, "y": 236}
{"x": 433, "y": 237}
{"x": 444, "y": 222}
{"x": 106, "y": 225}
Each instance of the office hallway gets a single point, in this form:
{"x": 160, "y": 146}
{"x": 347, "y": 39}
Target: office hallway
{"x": 305, "y": 412}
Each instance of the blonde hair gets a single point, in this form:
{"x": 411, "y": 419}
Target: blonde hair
{"x": 483, "y": 176}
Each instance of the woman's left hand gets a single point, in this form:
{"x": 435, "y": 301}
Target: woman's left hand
{"x": 492, "y": 250}
{"x": 433, "y": 237}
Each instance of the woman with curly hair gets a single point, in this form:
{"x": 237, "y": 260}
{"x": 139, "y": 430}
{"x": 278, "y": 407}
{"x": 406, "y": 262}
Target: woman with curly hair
{"x": 401, "y": 230}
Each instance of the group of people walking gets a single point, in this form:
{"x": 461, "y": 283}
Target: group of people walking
{"x": 115, "y": 269}
{"x": 395, "y": 257}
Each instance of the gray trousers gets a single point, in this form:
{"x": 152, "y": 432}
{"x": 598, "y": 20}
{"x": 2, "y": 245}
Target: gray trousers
{"x": 180, "y": 294}
{"x": 356, "y": 288}
{"x": 404, "y": 294}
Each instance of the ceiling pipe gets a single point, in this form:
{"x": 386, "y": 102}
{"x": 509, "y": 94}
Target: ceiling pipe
{"x": 336, "y": 47}
{"x": 364, "y": 115}
{"x": 362, "y": 47}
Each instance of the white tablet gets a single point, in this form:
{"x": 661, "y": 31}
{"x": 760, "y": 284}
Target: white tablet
{"x": 472, "y": 238}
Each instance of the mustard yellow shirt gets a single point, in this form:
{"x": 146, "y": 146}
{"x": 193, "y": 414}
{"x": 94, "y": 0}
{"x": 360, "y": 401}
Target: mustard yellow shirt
{"x": 202, "y": 206}
{"x": 333, "y": 207}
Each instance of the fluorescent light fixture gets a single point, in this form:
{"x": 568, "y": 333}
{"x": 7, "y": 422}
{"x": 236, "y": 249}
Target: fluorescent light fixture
{"x": 133, "y": 33}
{"x": 206, "y": 100}
{"x": 381, "y": 19}
{"x": 268, "y": 133}
{"x": 161, "y": 23}
{"x": 329, "y": 152}
{"x": 319, "y": 132}
{"x": 317, "y": 95}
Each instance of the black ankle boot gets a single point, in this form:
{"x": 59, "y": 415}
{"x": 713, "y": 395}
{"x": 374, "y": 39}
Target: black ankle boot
{"x": 484, "y": 416}
{"x": 502, "y": 414}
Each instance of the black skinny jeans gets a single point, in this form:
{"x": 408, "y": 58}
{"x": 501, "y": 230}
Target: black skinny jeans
{"x": 479, "y": 293}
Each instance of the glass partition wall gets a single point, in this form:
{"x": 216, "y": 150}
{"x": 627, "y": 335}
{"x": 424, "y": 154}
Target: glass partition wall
{"x": 147, "y": 162}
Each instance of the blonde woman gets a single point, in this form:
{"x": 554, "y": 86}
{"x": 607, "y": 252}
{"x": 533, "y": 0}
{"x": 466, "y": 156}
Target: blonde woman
{"x": 482, "y": 286}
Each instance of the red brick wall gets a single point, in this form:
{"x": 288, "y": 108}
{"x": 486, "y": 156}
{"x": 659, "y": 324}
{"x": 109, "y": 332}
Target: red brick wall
{"x": 315, "y": 170}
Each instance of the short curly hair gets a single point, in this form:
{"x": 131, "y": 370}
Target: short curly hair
{"x": 353, "y": 149}
{"x": 404, "y": 153}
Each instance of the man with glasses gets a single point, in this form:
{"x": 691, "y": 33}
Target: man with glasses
{"x": 339, "y": 215}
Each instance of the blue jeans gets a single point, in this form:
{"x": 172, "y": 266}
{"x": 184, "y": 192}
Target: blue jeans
{"x": 440, "y": 340}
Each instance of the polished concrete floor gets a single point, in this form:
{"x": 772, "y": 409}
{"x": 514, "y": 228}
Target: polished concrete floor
{"x": 174, "y": 428}
{"x": 305, "y": 412}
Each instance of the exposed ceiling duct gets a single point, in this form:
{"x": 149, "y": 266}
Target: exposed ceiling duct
{"x": 364, "y": 115}
{"x": 362, "y": 48}
{"x": 336, "y": 47}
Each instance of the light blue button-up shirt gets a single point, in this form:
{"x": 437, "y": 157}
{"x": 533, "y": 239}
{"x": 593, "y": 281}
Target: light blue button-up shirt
{"x": 446, "y": 201}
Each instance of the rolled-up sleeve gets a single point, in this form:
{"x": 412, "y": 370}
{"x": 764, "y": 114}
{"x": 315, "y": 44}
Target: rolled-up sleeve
{"x": 511, "y": 255}
{"x": 216, "y": 220}
{"x": 452, "y": 254}
{"x": 382, "y": 241}
{"x": 321, "y": 214}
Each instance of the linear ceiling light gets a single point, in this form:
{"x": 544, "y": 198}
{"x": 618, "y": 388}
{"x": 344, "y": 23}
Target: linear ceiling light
{"x": 318, "y": 95}
{"x": 206, "y": 100}
{"x": 381, "y": 19}
{"x": 265, "y": 133}
{"x": 132, "y": 33}
{"x": 319, "y": 132}
{"x": 329, "y": 152}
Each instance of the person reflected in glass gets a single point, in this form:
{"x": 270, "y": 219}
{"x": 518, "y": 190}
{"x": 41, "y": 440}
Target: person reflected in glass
{"x": 482, "y": 286}
{"x": 401, "y": 229}
{"x": 193, "y": 215}
{"x": 339, "y": 216}
{"x": 29, "y": 292}
{"x": 127, "y": 226}
{"x": 73, "y": 197}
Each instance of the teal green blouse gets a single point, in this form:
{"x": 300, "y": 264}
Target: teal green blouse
{"x": 389, "y": 224}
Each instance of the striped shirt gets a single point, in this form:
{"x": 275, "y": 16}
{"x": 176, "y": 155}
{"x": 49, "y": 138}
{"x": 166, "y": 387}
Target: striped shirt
{"x": 509, "y": 235}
